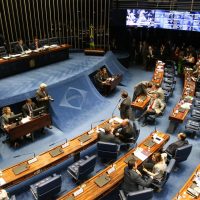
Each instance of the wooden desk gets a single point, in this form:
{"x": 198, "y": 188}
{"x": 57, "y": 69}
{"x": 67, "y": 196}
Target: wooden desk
{"x": 92, "y": 191}
{"x": 157, "y": 79}
{"x": 182, "y": 195}
{"x": 33, "y": 60}
{"x": 188, "y": 90}
{"x": 94, "y": 52}
{"x": 34, "y": 124}
{"x": 46, "y": 161}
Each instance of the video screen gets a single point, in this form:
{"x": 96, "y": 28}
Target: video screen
{"x": 177, "y": 20}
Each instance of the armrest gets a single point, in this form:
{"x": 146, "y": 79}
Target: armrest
{"x": 122, "y": 195}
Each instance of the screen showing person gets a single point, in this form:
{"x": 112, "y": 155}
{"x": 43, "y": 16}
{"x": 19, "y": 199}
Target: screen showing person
{"x": 15, "y": 118}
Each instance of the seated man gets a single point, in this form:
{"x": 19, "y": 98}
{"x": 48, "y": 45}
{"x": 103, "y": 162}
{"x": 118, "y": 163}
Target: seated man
{"x": 133, "y": 180}
{"x": 108, "y": 136}
{"x": 171, "y": 149}
{"x": 126, "y": 131}
{"x": 28, "y": 108}
{"x": 157, "y": 89}
{"x": 100, "y": 79}
{"x": 141, "y": 89}
{"x": 156, "y": 106}
{"x": 3, "y": 195}
{"x": 35, "y": 45}
{"x": 20, "y": 47}
{"x": 125, "y": 107}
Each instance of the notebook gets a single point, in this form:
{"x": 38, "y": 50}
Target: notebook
{"x": 102, "y": 180}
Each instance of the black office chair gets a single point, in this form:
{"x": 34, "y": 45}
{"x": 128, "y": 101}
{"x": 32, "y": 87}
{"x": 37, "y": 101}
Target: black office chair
{"x": 192, "y": 127}
{"x": 107, "y": 151}
{"x": 159, "y": 185}
{"x": 145, "y": 194}
{"x": 82, "y": 168}
{"x": 12, "y": 46}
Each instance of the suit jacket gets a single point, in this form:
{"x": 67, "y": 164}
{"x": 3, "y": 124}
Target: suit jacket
{"x": 140, "y": 89}
{"x": 127, "y": 132}
{"x": 160, "y": 91}
{"x": 133, "y": 181}
{"x": 125, "y": 109}
{"x": 108, "y": 138}
{"x": 157, "y": 105}
{"x": 5, "y": 119}
{"x": 18, "y": 48}
{"x": 26, "y": 111}
{"x": 172, "y": 147}
{"x": 40, "y": 98}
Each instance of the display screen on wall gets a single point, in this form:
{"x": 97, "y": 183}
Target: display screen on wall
{"x": 177, "y": 20}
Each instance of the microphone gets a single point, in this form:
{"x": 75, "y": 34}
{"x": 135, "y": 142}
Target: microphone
{"x": 58, "y": 141}
{"x": 155, "y": 129}
{"x": 116, "y": 106}
{"x": 17, "y": 156}
{"x": 96, "y": 122}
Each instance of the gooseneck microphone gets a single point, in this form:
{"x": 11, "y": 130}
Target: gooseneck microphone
{"x": 96, "y": 122}
{"x": 116, "y": 107}
{"x": 64, "y": 139}
{"x": 24, "y": 154}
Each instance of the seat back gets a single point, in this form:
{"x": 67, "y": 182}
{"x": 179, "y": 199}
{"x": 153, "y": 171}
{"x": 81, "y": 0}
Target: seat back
{"x": 182, "y": 153}
{"x": 43, "y": 42}
{"x": 169, "y": 169}
{"x": 3, "y": 51}
{"x": 136, "y": 128}
{"x": 49, "y": 188}
{"x": 143, "y": 194}
{"x": 53, "y": 40}
{"x": 87, "y": 166}
{"x": 107, "y": 150}
{"x": 12, "y": 46}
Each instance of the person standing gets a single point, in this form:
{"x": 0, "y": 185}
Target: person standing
{"x": 125, "y": 107}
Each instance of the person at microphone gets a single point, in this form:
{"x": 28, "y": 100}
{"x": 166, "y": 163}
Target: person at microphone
{"x": 125, "y": 107}
{"x": 43, "y": 98}
{"x": 28, "y": 108}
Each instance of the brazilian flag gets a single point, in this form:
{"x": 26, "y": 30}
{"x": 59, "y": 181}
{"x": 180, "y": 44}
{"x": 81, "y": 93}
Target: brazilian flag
{"x": 92, "y": 37}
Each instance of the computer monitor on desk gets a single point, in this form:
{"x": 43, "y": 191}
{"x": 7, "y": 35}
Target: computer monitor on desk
{"x": 15, "y": 118}
{"x": 38, "y": 112}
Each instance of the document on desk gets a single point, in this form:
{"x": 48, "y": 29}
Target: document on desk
{"x": 117, "y": 119}
{"x": 2, "y": 181}
{"x": 77, "y": 192}
{"x": 25, "y": 120}
{"x": 140, "y": 154}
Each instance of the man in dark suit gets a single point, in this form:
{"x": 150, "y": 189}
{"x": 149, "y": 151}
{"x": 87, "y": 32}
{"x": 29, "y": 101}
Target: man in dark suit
{"x": 133, "y": 180}
{"x": 42, "y": 96}
{"x": 126, "y": 132}
{"x": 125, "y": 107}
{"x": 171, "y": 149}
{"x": 20, "y": 47}
{"x": 107, "y": 136}
{"x": 28, "y": 108}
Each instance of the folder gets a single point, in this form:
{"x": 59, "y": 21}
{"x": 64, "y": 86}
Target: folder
{"x": 142, "y": 98}
{"x": 130, "y": 157}
{"x": 55, "y": 152}
{"x": 70, "y": 198}
{"x": 20, "y": 168}
{"x": 102, "y": 180}
{"x": 84, "y": 138}
{"x": 149, "y": 143}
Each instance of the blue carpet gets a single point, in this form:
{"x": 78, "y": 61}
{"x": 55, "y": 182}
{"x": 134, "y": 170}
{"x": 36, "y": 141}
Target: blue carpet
{"x": 78, "y": 104}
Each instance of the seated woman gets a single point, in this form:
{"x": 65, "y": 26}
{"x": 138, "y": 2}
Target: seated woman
{"x": 6, "y": 114}
{"x": 158, "y": 167}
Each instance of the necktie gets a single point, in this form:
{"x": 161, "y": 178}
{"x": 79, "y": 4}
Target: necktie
{"x": 30, "y": 109}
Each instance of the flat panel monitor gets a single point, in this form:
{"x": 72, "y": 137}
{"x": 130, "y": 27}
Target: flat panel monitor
{"x": 165, "y": 19}
{"x": 38, "y": 111}
{"x": 15, "y": 118}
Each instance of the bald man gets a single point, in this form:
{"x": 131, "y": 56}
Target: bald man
{"x": 43, "y": 97}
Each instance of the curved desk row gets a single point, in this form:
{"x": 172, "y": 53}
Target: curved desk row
{"x": 193, "y": 183}
{"x": 28, "y": 168}
{"x": 114, "y": 173}
{"x": 179, "y": 114}
{"x": 141, "y": 102}
{"x": 24, "y": 62}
